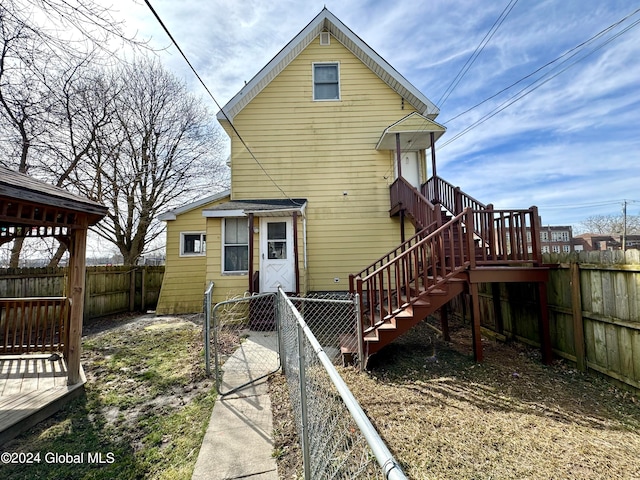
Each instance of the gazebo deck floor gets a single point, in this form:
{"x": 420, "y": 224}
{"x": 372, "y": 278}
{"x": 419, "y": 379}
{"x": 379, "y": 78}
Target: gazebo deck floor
{"x": 32, "y": 388}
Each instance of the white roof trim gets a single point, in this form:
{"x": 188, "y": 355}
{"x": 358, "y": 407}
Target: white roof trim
{"x": 326, "y": 20}
{"x": 223, "y": 213}
{"x": 172, "y": 214}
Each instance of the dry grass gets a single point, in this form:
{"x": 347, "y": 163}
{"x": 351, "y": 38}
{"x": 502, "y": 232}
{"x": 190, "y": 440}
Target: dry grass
{"x": 444, "y": 416}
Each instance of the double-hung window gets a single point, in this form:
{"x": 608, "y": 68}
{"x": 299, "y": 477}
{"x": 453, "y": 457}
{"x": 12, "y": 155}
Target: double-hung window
{"x": 326, "y": 81}
{"x": 193, "y": 244}
{"x": 235, "y": 246}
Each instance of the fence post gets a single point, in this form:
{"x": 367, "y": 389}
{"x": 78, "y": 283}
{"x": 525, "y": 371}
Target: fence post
{"x": 132, "y": 290}
{"x": 578, "y": 321}
{"x": 143, "y": 292}
{"x": 306, "y": 457}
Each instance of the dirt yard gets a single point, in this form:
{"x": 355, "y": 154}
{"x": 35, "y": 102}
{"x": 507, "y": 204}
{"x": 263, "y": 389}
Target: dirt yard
{"x": 444, "y": 416}
{"x": 146, "y": 406}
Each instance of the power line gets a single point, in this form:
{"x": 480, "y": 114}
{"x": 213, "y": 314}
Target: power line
{"x": 483, "y": 43}
{"x": 164, "y": 27}
{"x": 533, "y": 86}
{"x": 577, "y": 47}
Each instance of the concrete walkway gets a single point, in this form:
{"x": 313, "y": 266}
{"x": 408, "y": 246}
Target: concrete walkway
{"x": 239, "y": 442}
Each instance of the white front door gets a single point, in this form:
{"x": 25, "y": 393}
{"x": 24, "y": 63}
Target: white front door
{"x": 410, "y": 167}
{"x": 276, "y": 254}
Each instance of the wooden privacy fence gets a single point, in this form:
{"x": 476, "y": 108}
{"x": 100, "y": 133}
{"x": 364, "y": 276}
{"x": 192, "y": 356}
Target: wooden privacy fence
{"x": 34, "y": 325}
{"x": 108, "y": 290}
{"x": 594, "y": 311}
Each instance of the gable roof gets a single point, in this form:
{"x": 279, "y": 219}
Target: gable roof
{"x": 327, "y": 21}
{"x": 172, "y": 214}
{"x": 413, "y": 130}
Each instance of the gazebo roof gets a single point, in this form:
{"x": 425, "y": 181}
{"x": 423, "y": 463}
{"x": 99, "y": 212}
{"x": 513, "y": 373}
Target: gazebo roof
{"x": 45, "y": 209}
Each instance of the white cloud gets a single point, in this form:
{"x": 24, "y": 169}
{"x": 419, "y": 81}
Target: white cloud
{"x": 573, "y": 140}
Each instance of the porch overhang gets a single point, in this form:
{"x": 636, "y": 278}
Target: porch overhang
{"x": 258, "y": 207}
{"x": 415, "y": 133}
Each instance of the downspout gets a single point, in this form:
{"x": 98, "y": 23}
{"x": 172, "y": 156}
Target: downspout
{"x": 251, "y": 253}
{"x": 304, "y": 242}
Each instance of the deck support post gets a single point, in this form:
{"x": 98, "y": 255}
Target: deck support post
{"x": 434, "y": 174}
{"x": 77, "y": 274}
{"x": 444, "y": 322}
{"x": 545, "y": 334}
{"x": 398, "y": 155}
{"x": 497, "y": 307}
{"x": 475, "y": 323}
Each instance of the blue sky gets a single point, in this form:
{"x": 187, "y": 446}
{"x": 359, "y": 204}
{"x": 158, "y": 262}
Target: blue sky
{"x": 571, "y": 146}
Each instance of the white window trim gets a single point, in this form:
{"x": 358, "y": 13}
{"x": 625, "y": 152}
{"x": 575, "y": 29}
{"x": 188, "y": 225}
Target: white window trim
{"x": 198, "y": 254}
{"x": 313, "y": 82}
{"x": 223, "y": 245}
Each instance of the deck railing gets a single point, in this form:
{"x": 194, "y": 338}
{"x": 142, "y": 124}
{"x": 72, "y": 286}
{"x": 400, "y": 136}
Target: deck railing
{"x": 34, "y": 325}
{"x": 507, "y": 237}
{"x": 470, "y": 239}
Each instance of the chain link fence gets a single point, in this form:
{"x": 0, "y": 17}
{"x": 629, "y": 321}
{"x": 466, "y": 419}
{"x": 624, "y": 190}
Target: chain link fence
{"x": 337, "y": 439}
{"x": 245, "y": 340}
{"x": 255, "y": 336}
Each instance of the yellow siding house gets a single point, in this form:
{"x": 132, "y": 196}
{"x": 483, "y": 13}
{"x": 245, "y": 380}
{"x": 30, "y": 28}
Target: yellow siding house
{"x": 317, "y": 138}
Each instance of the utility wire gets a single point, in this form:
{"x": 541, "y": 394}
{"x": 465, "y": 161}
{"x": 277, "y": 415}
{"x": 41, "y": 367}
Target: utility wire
{"x": 164, "y": 27}
{"x": 534, "y": 86}
{"x": 483, "y": 43}
{"x": 577, "y": 47}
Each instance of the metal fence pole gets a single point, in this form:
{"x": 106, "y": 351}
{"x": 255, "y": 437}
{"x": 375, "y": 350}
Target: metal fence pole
{"x": 359, "y": 332}
{"x": 207, "y": 329}
{"x": 306, "y": 457}
{"x": 279, "y": 319}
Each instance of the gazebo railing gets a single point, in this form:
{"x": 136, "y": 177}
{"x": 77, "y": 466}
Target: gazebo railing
{"x": 34, "y": 325}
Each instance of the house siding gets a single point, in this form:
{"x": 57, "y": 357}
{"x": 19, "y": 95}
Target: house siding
{"x": 184, "y": 280}
{"x": 229, "y": 286}
{"x": 320, "y": 150}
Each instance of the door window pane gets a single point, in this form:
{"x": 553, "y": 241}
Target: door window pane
{"x": 277, "y": 240}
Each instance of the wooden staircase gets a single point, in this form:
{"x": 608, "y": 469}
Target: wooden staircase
{"x": 459, "y": 243}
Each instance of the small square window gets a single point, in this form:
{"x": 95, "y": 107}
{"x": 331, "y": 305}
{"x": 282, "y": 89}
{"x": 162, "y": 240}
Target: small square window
{"x": 193, "y": 244}
{"x": 326, "y": 81}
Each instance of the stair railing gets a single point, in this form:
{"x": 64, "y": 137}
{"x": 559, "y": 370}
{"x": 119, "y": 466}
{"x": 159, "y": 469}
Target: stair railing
{"x": 386, "y": 258}
{"x": 405, "y": 196}
{"x": 421, "y": 268}
{"x": 438, "y": 190}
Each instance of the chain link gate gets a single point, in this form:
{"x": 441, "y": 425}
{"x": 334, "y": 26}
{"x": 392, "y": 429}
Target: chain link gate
{"x": 245, "y": 340}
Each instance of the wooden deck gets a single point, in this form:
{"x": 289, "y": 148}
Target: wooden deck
{"x": 32, "y": 388}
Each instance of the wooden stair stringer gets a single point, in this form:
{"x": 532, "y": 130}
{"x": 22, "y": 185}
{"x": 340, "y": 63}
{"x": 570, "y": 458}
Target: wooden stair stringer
{"x": 426, "y": 304}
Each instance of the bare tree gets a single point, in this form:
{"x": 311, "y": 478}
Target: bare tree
{"x": 611, "y": 224}
{"x": 160, "y": 149}
{"x": 42, "y": 42}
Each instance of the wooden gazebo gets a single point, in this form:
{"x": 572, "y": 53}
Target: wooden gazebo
{"x": 28, "y": 326}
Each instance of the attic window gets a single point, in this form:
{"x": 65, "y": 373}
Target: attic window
{"x": 326, "y": 81}
{"x": 325, "y": 39}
